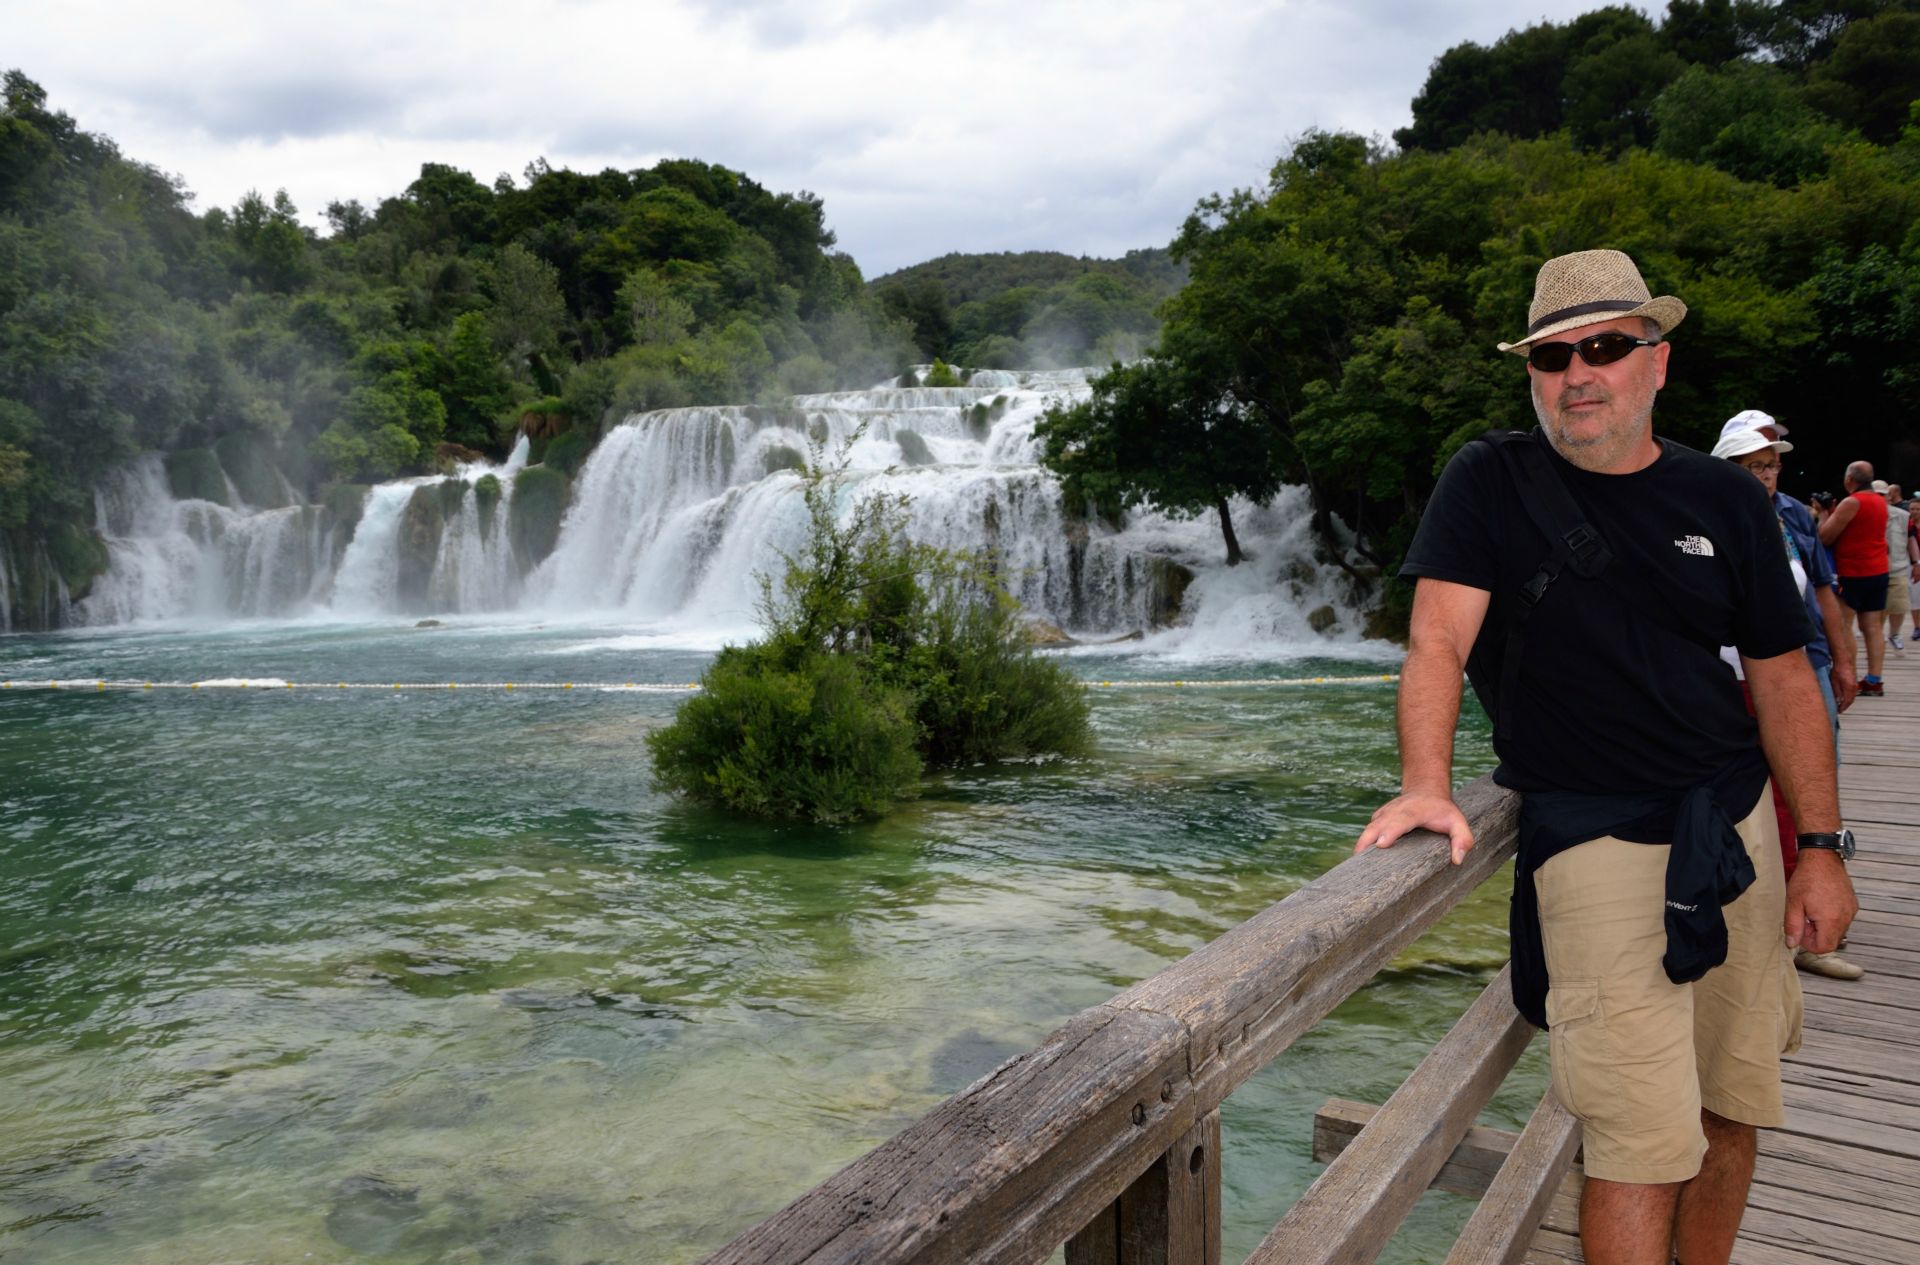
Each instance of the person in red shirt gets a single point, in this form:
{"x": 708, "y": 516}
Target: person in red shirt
{"x": 1856, "y": 531}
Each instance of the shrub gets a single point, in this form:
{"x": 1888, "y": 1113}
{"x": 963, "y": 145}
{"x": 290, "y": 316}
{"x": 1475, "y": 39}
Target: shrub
{"x": 873, "y": 646}
{"x": 942, "y": 375}
{"x": 811, "y": 739}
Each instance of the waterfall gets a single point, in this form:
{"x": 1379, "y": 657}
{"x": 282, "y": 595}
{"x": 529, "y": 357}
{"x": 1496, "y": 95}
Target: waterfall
{"x": 678, "y": 512}
{"x": 171, "y": 559}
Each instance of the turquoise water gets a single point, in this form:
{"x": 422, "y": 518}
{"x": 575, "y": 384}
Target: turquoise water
{"x": 349, "y": 976}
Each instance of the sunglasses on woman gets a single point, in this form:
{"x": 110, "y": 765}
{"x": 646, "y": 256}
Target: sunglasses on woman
{"x": 1599, "y": 349}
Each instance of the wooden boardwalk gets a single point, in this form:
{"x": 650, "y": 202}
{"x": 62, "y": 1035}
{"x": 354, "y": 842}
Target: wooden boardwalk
{"x": 1841, "y": 1181}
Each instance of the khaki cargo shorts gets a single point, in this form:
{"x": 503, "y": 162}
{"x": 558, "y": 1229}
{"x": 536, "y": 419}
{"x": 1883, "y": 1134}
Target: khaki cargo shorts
{"x": 1636, "y": 1056}
{"x": 1899, "y": 597}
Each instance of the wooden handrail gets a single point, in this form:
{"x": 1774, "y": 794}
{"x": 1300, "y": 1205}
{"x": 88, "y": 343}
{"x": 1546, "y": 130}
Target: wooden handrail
{"x": 1011, "y": 1167}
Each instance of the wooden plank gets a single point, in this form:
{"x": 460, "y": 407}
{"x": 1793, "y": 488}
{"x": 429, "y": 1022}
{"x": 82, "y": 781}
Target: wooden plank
{"x": 1899, "y": 1172}
{"x": 1888, "y": 1059}
{"x": 1502, "y": 1227}
{"x": 1864, "y": 1134}
{"x": 1829, "y": 1181}
{"x": 1816, "y": 1074}
{"x": 1469, "y": 1170}
{"x": 1842, "y": 1105}
{"x": 1169, "y": 1216}
{"x": 1357, "y": 1204}
{"x": 1890, "y": 991}
{"x": 1836, "y": 1242}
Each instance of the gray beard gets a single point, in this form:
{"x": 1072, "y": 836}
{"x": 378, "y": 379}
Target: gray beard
{"x": 1599, "y": 453}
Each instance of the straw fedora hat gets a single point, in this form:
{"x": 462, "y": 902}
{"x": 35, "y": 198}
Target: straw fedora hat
{"x": 1589, "y": 286}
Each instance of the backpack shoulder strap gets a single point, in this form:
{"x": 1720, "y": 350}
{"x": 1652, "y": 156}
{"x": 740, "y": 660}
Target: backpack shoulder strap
{"x": 1574, "y": 542}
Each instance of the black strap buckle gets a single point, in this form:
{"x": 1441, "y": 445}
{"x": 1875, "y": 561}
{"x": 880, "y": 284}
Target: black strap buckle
{"x": 1533, "y": 590}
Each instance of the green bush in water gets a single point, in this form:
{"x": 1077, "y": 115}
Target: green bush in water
{"x": 539, "y": 501}
{"x": 801, "y": 737}
{"x": 873, "y": 646}
{"x": 194, "y": 475}
{"x": 942, "y": 375}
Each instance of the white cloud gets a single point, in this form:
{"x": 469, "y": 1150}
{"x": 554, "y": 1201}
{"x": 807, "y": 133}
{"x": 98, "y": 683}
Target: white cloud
{"x": 987, "y": 125}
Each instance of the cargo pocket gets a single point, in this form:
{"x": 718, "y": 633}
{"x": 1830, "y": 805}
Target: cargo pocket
{"x": 1584, "y": 1074}
{"x": 1790, "y": 1004}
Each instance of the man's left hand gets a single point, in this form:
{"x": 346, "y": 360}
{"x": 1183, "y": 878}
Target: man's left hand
{"x": 1820, "y": 902}
{"x": 1845, "y": 682}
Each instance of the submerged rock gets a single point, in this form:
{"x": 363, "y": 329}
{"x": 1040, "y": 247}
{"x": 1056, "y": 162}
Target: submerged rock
{"x": 372, "y": 1215}
{"x": 913, "y": 448}
{"x": 1041, "y": 633}
{"x": 428, "y": 623}
{"x": 1322, "y": 618}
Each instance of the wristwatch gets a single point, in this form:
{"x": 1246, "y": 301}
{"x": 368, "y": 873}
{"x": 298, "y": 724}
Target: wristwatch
{"x": 1841, "y": 843}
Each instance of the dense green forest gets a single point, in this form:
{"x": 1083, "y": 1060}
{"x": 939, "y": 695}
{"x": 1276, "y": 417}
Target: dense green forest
{"x": 1032, "y": 309}
{"x": 1338, "y": 327}
{"x": 446, "y": 320}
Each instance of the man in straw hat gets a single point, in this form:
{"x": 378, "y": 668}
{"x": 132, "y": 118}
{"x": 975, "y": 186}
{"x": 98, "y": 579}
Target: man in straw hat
{"x": 1644, "y": 811}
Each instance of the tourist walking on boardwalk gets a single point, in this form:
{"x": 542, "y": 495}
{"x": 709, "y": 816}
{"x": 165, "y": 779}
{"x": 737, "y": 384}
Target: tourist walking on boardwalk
{"x": 1594, "y": 649}
{"x": 1857, "y": 531}
{"x": 1753, "y": 441}
{"x": 1899, "y": 564}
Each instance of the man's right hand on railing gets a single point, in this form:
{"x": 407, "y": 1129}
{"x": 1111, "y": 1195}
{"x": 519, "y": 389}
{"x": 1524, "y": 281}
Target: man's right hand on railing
{"x": 1417, "y": 811}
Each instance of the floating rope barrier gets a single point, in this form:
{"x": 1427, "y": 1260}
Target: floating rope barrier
{"x": 274, "y": 685}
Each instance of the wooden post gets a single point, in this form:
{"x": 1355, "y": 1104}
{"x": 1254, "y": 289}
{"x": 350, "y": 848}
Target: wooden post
{"x": 1169, "y": 1216}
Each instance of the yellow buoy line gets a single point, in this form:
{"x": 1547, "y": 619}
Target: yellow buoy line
{"x": 276, "y": 685}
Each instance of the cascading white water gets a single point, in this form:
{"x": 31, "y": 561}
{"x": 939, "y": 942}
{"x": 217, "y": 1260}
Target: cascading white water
{"x": 678, "y": 512}
{"x": 171, "y": 559}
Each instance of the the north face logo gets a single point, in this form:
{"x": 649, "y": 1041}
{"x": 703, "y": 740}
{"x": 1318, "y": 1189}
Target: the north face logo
{"x": 1698, "y": 546}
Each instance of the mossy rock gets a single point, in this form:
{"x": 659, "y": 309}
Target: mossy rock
{"x": 913, "y": 448}
{"x": 346, "y": 502}
{"x": 533, "y": 520}
{"x": 486, "y": 500}
{"x": 569, "y": 451}
{"x": 979, "y": 421}
{"x": 246, "y": 461}
{"x": 79, "y": 555}
{"x": 1323, "y": 618}
{"x": 779, "y": 457}
{"x": 1167, "y": 583}
{"x": 194, "y": 474}
{"x": 422, "y": 525}
{"x": 908, "y": 380}
{"x": 453, "y": 496}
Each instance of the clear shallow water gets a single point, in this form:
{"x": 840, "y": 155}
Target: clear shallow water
{"x": 437, "y": 977}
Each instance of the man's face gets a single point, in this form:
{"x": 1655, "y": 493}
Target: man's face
{"x": 1598, "y": 415}
{"x": 1764, "y": 466}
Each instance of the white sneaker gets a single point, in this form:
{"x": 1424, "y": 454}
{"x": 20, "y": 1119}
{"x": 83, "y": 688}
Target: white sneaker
{"x": 1893, "y": 639}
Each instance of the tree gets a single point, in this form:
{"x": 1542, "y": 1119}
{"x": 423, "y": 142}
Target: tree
{"x": 1154, "y": 434}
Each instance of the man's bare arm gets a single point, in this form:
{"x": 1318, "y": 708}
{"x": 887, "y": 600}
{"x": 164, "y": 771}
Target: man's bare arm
{"x": 1837, "y": 519}
{"x": 1799, "y": 747}
{"x": 1446, "y": 619}
{"x": 1845, "y": 683}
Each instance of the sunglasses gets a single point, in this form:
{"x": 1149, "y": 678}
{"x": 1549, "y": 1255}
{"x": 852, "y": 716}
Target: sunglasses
{"x": 1600, "y": 349}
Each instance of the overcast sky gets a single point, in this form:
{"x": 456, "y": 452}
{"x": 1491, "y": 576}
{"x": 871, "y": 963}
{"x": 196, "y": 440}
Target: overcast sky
{"x": 975, "y": 126}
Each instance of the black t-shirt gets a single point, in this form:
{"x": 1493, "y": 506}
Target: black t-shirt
{"x": 1622, "y": 689}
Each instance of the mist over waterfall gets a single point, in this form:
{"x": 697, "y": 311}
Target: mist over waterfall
{"x": 677, "y": 512}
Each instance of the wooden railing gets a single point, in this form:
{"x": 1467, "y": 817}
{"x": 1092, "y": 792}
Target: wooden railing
{"x": 1107, "y": 1136}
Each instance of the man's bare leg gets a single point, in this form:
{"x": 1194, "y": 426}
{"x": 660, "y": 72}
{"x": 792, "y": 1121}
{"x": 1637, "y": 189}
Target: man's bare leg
{"x": 1712, "y": 1204}
{"x": 1626, "y": 1223}
{"x": 1873, "y": 630}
